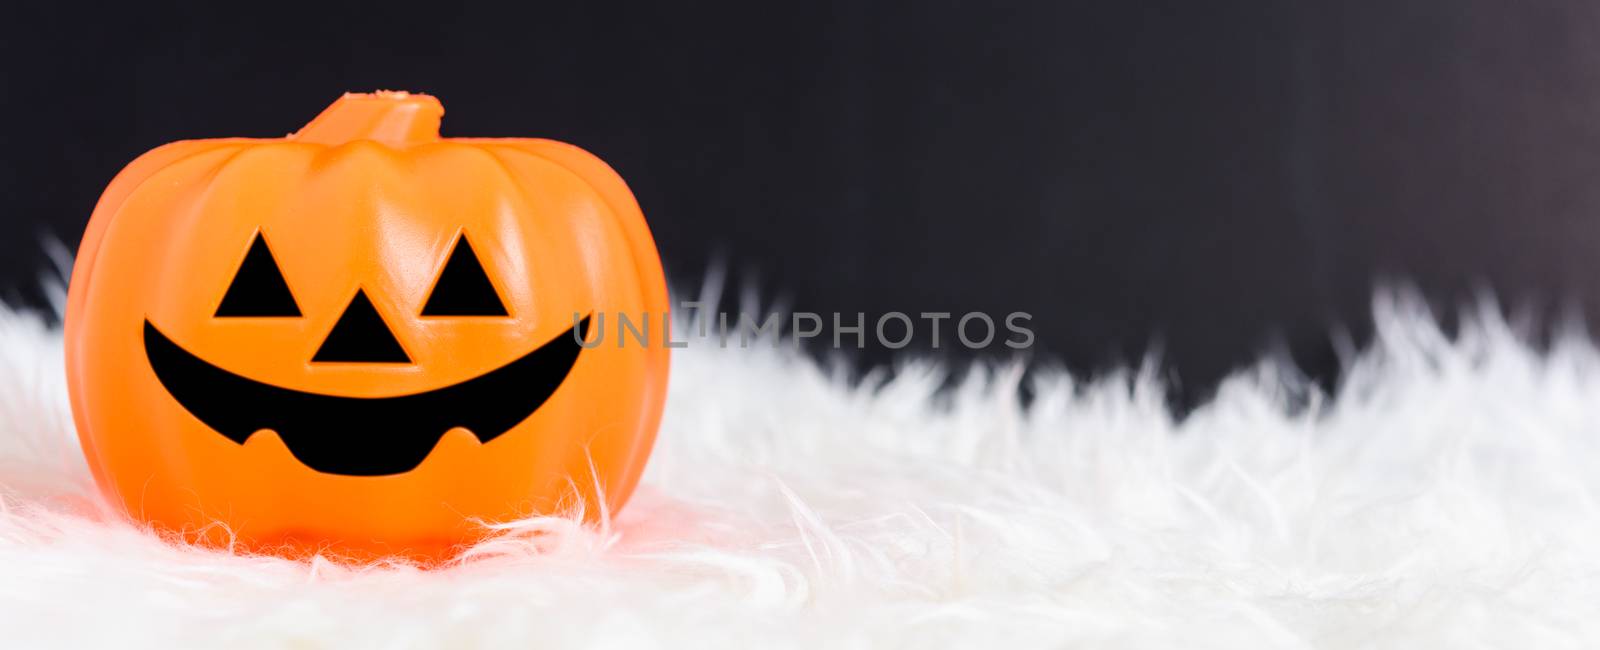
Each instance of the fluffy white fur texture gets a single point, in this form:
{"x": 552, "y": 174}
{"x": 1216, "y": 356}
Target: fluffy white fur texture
{"x": 1445, "y": 497}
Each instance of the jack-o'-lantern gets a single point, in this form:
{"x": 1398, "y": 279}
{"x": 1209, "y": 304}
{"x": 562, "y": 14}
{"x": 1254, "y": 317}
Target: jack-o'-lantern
{"x": 363, "y": 337}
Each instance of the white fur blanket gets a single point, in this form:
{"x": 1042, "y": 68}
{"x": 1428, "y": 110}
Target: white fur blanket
{"x": 1445, "y": 497}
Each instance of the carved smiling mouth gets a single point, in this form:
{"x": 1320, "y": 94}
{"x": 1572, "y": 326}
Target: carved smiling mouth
{"x": 362, "y": 436}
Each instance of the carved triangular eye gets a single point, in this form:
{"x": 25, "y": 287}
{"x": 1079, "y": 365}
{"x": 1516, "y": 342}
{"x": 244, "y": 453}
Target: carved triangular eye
{"x": 258, "y": 288}
{"x": 463, "y": 288}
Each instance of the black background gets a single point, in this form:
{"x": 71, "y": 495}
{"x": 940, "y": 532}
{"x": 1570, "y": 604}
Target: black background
{"x": 1212, "y": 179}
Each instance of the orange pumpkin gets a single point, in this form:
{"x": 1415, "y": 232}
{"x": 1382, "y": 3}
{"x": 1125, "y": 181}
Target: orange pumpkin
{"x": 363, "y": 337}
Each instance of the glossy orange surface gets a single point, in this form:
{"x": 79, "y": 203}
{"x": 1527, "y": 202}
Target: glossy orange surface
{"x": 366, "y": 197}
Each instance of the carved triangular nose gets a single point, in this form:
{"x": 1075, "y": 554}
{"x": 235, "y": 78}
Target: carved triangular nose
{"x": 361, "y": 336}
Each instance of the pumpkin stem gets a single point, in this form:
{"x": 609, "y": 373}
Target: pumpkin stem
{"x": 394, "y": 118}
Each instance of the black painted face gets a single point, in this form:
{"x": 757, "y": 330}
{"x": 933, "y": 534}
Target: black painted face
{"x": 362, "y": 436}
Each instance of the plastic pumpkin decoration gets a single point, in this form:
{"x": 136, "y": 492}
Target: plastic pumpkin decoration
{"x": 363, "y": 337}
